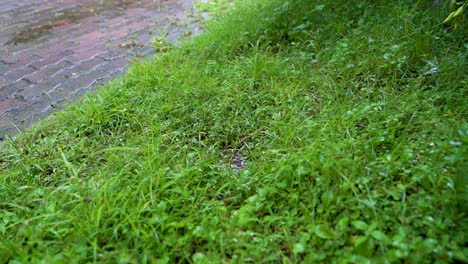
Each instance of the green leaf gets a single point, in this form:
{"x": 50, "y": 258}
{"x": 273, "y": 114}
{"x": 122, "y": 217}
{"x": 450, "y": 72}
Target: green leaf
{"x": 298, "y": 248}
{"x": 325, "y": 232}
{"x": 199, "y": 258}
{"x": 360, "y": 240}
{"x": 455, "y": 13}
{"x": 343, "y": 224}
{"x": 380, "y": 236}
{"x": 360, "y": 225}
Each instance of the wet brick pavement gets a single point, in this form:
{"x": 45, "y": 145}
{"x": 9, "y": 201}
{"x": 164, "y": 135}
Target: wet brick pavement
{"x": 54, "y": 51}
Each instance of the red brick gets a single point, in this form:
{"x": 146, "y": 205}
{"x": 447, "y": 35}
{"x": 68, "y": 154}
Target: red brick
{"x": 8, "y": 104}
{"x": 91, "y": 37}
{"x": 51, "y": 59}
{"x": 18, "y": 74}
{"x": 87, "y": 65}
{"x": 10, "y": 59}
{"x": 4, "y": 68}
{"x": 119, "y": 62}
{"x": 78, "y": 50}
{"x": 12, "y": 88}
{"x": 50, "y": 48}
{"x": 47, "y": 72}
{"x": 21, "y": 61}
{"x": 86, "y": 54}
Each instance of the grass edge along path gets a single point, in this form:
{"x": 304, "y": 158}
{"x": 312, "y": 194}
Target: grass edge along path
{"x": 351, "y": 119}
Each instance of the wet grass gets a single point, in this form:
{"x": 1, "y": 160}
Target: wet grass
{"x": 351, "y": 120}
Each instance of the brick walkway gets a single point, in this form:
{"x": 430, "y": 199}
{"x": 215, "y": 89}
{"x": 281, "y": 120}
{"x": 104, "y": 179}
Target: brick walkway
{"x": 53, "y": 51}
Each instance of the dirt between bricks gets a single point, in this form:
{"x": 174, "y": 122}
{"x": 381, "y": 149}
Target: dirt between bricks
{"x": 54, "y": 51}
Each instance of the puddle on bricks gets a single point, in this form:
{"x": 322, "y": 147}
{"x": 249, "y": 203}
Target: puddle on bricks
{"x": 82, "y": 10}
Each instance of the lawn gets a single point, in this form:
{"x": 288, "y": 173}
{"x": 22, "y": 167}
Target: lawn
{"x": 289, "y": 131}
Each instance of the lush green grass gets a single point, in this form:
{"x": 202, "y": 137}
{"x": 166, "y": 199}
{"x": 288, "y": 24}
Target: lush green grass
{"x": 351, "y": 118}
